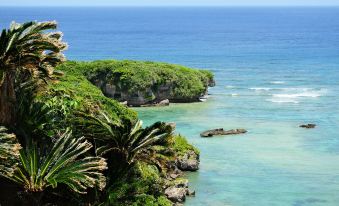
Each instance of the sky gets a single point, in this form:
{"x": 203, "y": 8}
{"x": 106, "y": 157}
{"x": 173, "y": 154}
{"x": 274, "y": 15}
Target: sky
{"x": 169, "y": 2}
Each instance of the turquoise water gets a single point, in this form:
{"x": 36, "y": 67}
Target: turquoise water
{"x": 275, "y": 68}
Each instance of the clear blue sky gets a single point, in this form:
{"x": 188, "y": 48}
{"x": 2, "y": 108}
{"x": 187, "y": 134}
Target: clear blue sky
{"x": 169, "y": 2}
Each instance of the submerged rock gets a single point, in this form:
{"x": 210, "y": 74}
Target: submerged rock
{"x": 308, "y": 126}
{"x": 188, "y": 162}
{"x": 221, "y": 131}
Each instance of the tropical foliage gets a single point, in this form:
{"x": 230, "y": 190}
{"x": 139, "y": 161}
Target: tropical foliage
{"x": 27, "y": 52}
{"x": 39, "y": 155}
{"x": 141, "y": 185}
{"x": 60, "y": 164}
{"x": 126, "y": 138}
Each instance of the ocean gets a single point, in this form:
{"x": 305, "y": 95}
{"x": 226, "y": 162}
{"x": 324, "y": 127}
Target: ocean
{"x": 275, "y": 68}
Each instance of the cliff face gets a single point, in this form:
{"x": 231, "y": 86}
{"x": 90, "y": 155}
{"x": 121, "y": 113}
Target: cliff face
{"x": 145, "y": 83}
{"x": 151, "y": 95}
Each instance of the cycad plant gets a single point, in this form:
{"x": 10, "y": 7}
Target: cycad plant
{"x": 27, "y": 52}
{"x": 65, "y": 163}
{"x": 33, "y": 116}
{"x": 9, "y": 152}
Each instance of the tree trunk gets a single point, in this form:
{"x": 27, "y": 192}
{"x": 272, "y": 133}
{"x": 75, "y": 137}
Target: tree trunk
{"x": 7, "y": 101}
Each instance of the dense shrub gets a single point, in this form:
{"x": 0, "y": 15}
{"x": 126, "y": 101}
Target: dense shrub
{"x": 133, "y": 76}
{"x": 74, "y": 90}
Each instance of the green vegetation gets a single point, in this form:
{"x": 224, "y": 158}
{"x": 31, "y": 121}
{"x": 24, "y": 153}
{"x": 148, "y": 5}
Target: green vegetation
{"x": 27, "y": 53}
{"x": 74, "y": 87}
{"x": 140, "y": 186}
{"x": 61, "y": 165}
{"x": 109, "y": 156}
{"x": 127, "y": 139}
{"x": 131, "y": 77}
{"x": 181, "y": 146}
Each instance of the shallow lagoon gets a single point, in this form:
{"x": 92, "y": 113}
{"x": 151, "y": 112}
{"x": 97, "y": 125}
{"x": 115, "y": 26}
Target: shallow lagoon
{"x": 275, "y": 163}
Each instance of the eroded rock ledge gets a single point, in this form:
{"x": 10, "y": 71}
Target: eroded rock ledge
{"x": 221, "y": 131}
{"x": 156, "y": 95}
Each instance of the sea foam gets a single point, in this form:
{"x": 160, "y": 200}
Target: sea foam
{"x": 277, "y": 82}
{"x": 295, "y": 95}
{"x": 276, "y": 100}
{"x": 260, "y": 88}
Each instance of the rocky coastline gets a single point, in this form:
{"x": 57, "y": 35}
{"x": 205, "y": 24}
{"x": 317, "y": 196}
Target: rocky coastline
{"x": 156, "y": 95}
{"x": 177, "y": 188}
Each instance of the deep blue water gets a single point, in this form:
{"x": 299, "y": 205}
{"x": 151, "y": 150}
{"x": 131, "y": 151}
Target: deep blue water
{"x": 275, "y": 69}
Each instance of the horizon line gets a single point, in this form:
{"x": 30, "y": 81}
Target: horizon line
{"x": 174, "y": 6}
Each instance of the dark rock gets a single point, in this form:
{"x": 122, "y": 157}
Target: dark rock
{"x": 221, "y": 131}
{"x": 190, "y": 192}
{"x": 308, "y": 126}
{"x": 188, "y": 162}
{"x": 162, "y": 103}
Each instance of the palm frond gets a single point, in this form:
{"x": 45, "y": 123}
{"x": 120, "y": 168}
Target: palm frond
{"x": 31, "y": 46}
{"x": 61, "y": 165}
{"x": 125, "y": 138}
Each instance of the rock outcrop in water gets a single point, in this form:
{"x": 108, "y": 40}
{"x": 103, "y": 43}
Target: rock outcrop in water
{"x": 221, "y": 131}
{"x": 188, "y": 162}
{"x": 149, "y": 83}
{"x": 308, "y": 126}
